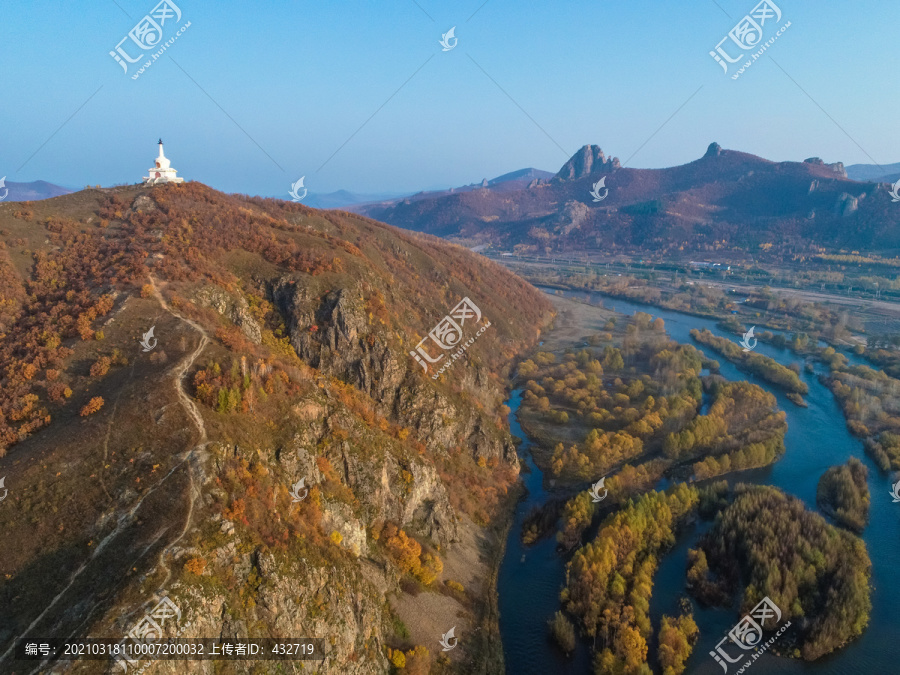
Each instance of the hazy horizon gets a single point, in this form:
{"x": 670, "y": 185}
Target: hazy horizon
{"x": 365, "y": 100}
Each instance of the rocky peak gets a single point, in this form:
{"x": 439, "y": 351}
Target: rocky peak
{"x": 714, "y": 150}
{"x": 588, "y": 160}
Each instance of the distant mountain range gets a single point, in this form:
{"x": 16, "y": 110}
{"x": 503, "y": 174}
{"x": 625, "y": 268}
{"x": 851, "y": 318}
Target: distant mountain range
{"x": 355, "y": 201}
{"x": 340, "y": 199}
{"x": 343, "y": 198}
{"x": 724, "y": 200}
{"x": 515, "y": 180}
{"x": 33, "y": 191}
{"x": 889, "y": 173}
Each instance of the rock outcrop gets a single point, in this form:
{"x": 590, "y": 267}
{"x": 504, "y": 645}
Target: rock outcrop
{"x": 333, "y": 335}
{"x": 846, "y": 205}
{"x": 342, "y": 608}
{"x": 234, "y": 308}
{"x": 587, "y": 161}
{"x": 838, "y": 167}
{"x": 572, "y": 216}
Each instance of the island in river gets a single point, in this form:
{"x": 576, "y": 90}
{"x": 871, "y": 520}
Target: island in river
{"x": 620, "y": 621}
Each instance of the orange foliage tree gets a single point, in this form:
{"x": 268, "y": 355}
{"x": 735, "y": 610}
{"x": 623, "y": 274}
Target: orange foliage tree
{"x": 92, "y": 406}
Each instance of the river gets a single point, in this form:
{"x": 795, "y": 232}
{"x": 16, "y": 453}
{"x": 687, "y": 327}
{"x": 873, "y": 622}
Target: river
{"x": 817, "y": 438}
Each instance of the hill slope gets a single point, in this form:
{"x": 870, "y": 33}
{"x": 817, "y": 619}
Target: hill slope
{"x": 724, "y": 200}
{"x": 144, "y": 466}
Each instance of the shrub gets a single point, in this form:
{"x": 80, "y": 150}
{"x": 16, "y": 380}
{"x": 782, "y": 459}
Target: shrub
{"x": 455, "y": 586}
{"x": 398, "y": 659}
{"x": 92, "y": 406}
{"x": 418, "y": 661}
{"x": 195, "y": 566}
{"x": 100, "y": 367}
{"x": 400, "y": 629}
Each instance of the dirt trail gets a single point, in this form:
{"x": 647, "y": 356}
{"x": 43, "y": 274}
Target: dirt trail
{"x": 183, "y": 368}
{"x": 185, "y": 457}
{"x": 192, "y": 410}
{"x": 124, "y": 520}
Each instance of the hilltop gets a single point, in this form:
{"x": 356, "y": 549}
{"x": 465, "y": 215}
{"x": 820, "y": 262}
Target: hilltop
{"x": 35, "y": 190}
{"x": 280, "y": 352}
{"x": 726, "y": 200}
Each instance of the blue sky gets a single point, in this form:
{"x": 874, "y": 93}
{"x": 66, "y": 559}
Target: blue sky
{"x": 358, "y": 94}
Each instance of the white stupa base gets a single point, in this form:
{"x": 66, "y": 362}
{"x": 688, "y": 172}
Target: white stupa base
{"x": 153, "y": 180}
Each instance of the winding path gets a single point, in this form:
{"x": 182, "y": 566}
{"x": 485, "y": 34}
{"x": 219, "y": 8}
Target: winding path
{"x": 124, "y": 519}
{"x": 192, "y": 410}
{"x": 185, "y": 365}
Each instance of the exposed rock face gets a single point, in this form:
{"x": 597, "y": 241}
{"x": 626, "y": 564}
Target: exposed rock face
{"x": 339, "y": 518}
{"x": 588, "y": 160}
{"x": 839, "y": 169}
{"x": 343, "y": 607}
{"x": 344, "y": 604}
{"x": 333, "y": 334}
{"x": 407, "y": 492}
{"x": 572, "y": 216}
{"x": 235, "y": 309}
{"x": 328, "y": 333}
{"x": 144, "y": 203}
{"x": 425, "y": 506}
{"x": 714, "y": 150}
{"x": 846, "y": 205}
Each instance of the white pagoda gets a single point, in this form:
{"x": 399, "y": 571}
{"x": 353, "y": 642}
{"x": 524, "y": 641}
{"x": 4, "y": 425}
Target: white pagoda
{"x": 162, "y": 172}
